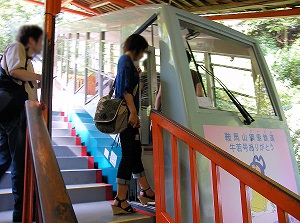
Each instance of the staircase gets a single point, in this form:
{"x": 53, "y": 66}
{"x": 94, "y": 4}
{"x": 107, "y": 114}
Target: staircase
{"x": 91, "y": 198}
{"x": 83, "y": 182}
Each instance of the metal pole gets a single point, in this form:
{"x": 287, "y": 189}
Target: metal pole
{"x": 52, "y": 8}
{"x": 86, "y": 57}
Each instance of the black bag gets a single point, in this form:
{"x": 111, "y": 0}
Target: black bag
{"x": 12, "y": 96}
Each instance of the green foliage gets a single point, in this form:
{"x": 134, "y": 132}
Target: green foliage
{"x": 272, "y": 34}
{"x": 15, "y": 13}
{"x": 287, "y": 64}
{"x": 296, "y": 143}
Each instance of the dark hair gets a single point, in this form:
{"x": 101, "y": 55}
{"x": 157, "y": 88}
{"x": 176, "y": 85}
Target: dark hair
{"x": 27, "y": 31}
{"x": 188, "y": 56}
{"x": 135, "y": 43}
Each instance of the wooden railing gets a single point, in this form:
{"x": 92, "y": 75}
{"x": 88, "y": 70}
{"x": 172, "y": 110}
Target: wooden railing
{"x": 43, "y": 178}
{"x": 286, "y": 201}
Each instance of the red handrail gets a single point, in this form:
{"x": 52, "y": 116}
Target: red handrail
{"x": 287, "y": 202}
{"x": 42, "y": 174}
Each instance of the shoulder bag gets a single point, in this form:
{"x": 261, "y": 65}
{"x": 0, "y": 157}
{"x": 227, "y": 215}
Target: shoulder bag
{"x": 12, "y": 95}
{"x": 112, "y": 114}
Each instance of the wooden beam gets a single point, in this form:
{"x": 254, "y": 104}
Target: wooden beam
{"x": 85, "y": 7}
{"x": 122, "y": 3}
{"x": 76, "y": 12}
{"x": 257, "y": 15}
{"x": 63, "y": 9}
{"x": 142, "y": 2}
{"x": 99, "y": 4}
{"x": 65, "y": 2}
{"x": 238, "y": 6}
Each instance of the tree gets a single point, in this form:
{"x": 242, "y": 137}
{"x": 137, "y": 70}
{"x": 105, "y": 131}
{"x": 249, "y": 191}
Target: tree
{"x": 287, "y": 64}
{"x": 13, "y": 15}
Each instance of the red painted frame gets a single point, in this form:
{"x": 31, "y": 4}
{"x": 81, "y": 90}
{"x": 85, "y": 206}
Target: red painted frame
{"x": 287, "y": 202}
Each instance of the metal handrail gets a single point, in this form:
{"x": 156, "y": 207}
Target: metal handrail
{"x": 287, "y": 202}
{"x": 42, "y": 174}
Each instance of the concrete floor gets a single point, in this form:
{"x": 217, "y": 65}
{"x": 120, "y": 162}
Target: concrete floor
{"x": 99, "y": 212}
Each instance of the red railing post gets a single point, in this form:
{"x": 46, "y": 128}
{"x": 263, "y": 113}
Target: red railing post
{"x": 194, "y": 186}
{"x": 215, "y": 175}
{"x": 246, "y": 211}
{"x": 282, "y": 216}
{"x": 28, "y": 198}
{"x": 176, "y": 179}
{"x": 158, "y": 156}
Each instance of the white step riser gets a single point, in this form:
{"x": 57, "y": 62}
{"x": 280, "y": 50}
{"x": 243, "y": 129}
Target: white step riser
{"x": 62, "y": 141}
{"x": 56, "y": 113}
{"x": 81, "y": 176}
{"x": 5, "y": 181}
{"x": 77, "y": 195}
{"x": 61, "y": 151}
{"x": 71, "y": 163}
{"x": 59, "y": 118}
{"x": 70, "y": 177}
{"x": 61, "y": 132}
{"x": 6, "y": 202}
{"x": 60, "y": 125}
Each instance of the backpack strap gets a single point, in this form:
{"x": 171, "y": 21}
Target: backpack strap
{"x": 27, "y": 57}
{"x": 3, "y": 72}
{"x": 113, "y": 88}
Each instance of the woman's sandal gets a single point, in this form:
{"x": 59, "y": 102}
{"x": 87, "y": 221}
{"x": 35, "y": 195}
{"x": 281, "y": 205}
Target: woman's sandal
{"x": 119, "y": 210}
{"x": 144, "y": 199}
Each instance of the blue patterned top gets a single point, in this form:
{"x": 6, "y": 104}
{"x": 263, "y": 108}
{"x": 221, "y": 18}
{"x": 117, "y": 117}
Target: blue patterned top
{"x": 126, "y": 80}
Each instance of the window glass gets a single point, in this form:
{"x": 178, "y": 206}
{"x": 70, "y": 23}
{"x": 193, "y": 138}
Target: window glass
{"x": 226, "y": 64}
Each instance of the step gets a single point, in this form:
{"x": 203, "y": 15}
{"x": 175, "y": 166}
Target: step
{"x": 78, "y": 176}
{"x": 66, "y": 140}
{"x": 57, "y": 113}
{"x": 61, "y": 125}
{"x": 69, "y": 150}
{"x": 63, "y": 132}
{"x": 93, "y": 140}
{"x": 60, "y": 118}
{"x": 78, "y": 115}
{"x": 6, "y": 199}
{"x": 84, "y": 126}
{"x": 81, "y": 193}
{"x": 75, "y": 162}
{"x": 5, "y": 181}
{"x": 85, "y": 120}
{"x": 98, "y": 212}
{"x": 82, "y": 176}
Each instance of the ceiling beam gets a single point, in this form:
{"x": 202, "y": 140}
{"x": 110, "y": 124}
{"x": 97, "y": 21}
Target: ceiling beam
{"x": 99, "y": 4}
{"x": 122, "y": 3}
{"x": 63, "y": 9}
{"x": 85, "y": 7}
{"x": 142, "y": 2}
{"x": 76, "y": 12}
{"x": 245, "y": 5}
{"x": 257, "y": 15}
{"x": 65, "y": 2}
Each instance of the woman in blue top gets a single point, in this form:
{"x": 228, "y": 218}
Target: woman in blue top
{"x": 131, "y": 163}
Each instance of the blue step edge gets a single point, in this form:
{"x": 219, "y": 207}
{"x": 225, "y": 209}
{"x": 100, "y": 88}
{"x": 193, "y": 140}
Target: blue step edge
{"x": 106, "y": 152}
